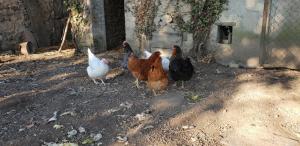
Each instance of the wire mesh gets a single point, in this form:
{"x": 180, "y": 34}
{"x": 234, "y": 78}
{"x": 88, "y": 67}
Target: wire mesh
{"x": 284, "y": 24}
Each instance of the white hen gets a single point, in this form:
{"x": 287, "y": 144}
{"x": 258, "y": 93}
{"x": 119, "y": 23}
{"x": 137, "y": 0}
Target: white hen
{"x": 97, "y": 68}
{"x": 165, "y": 61}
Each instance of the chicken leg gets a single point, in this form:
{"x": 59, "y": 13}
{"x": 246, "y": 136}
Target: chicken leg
{"x": 102, "y": 82}
{"x": 96, "y": 82}
{"x": 136, "y": 82}
{"x": 154, "y": 93}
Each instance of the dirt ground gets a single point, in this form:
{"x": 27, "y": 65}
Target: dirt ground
{"x": 236, "y": 107}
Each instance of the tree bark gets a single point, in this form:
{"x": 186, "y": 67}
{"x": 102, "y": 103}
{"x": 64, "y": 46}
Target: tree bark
{"x": 200, "y": 37}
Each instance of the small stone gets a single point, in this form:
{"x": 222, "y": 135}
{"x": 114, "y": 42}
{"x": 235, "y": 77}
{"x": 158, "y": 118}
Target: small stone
{"x": 96, "y": 137}
{"x": 148, "y": 127}
{"x": 72, "y": 133}
{"x": 141, "y": 117}
{"x": 22, "y": 129}
{"x": 81, "y": 130}
{"x": 194, "y": 139}
{"x": 126, "y": 105}
{"x": 185, "y": 127}
{"x": 122, "y": 139}
{"x": 56, "y": 126}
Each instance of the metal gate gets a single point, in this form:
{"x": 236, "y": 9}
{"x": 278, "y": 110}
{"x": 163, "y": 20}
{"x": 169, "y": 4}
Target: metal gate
{"x": 283, "y": 34}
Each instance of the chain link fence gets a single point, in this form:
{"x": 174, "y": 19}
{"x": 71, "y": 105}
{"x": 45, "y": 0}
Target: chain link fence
{"x": 284, "y": 23}
{"x": 283, "y": 33}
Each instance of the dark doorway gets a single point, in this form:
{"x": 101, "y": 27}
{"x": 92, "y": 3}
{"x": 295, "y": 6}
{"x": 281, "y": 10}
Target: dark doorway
{"x": 115, "y": 23}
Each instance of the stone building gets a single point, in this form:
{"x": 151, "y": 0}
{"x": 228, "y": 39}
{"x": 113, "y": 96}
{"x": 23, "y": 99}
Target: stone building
{"x": 166, "y": 31}
{"x": 40, "y": 21}
{"x": 250, "y": 33}
{"x": 43, "y": 21}
{"x": 258, "y": 33}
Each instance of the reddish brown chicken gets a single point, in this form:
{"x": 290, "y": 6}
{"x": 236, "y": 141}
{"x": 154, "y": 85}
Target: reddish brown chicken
{"x": 139, "y": 68}
{"x": 157, "y": 77}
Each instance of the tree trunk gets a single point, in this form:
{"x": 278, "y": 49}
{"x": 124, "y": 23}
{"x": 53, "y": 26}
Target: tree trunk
{"x": 200, "y": 37}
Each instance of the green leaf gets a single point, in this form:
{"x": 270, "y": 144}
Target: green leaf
{"x": 88, "y": 141}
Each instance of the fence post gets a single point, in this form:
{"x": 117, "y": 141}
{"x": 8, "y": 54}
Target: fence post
{"x": 266, "y": 14}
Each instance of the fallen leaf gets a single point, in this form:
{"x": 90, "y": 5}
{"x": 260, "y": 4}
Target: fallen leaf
{"x": 30, "y": 126}
{"x": 58, "y": 126}
{"x": 72, "y": 113}
{"x": 54, "y": 118}
{"x": 88, "y": 141}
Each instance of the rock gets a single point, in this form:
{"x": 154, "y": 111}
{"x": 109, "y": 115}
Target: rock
{"x": 148, "y": 127}
{"x": 126, "y": 105}
{"x": 96, "y": 137}
{"x": 122, "y": 139}
{"x": 186, "y": 127}
{"x": 141, "y": 117}
{"x": 81, "y": 130}
{"x": 22, "y": 129}
{"x": 56, "y": 126}
{"x": 72, "y": 133}
{"x": 194, "y": 139}
{"x": 234, "y": 65}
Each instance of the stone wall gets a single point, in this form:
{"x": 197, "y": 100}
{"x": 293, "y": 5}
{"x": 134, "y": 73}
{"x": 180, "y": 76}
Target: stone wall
{"x": 12, "y": 23}
{"x": 249, "y": 48}
{"x": 166, "y": 32}
{"x": 245, "y": 17}
{"x": 100, "y": 25}
{"x": 43, "y": 19}
{"x": 47, "y": 19}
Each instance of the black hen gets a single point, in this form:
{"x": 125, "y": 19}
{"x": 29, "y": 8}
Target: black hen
{"x": 180, "y": 69}
{"x": 127, "y": 51}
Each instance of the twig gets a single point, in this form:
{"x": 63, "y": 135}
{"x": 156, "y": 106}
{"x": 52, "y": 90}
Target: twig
{"x": 65, "y": 33}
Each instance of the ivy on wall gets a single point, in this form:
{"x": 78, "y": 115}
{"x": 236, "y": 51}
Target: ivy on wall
{"x": 204, "y": 13}
{"x": 76, "y": 9}
{"x": 79, "y": 13}
{"x": 145, "y": 12}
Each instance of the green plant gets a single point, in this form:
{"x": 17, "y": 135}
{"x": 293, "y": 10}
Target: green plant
{"x": 78, "y": 11}
{"x": 145, "y": 12}
{"x": 74, "y": 6}
{"x": 204, "y": 13}
{"x": 192, "y": 97}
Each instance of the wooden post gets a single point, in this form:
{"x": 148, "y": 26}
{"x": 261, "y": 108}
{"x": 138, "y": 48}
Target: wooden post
{"x": 263, "y": 39}
{"x": 65, "y": 33}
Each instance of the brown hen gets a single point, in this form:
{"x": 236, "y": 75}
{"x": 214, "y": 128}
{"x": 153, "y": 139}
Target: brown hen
{"x": 139, "y": 68}
{"x": 157, "y": 77}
